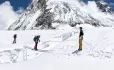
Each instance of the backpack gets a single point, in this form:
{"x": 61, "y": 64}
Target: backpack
{"x": 38, "y": 36}
{"x": 15, "y": 36}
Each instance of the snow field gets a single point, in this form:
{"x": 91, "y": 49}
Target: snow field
{"x": 20, "y": 52}
{"x": 61, "y": 52}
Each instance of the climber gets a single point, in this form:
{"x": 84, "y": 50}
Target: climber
{"x": 36, "y": 40}
{"x": 80, "y": 39}
{"x": 15, "y": 36}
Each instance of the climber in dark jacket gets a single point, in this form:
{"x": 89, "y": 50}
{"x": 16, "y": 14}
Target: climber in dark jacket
{"x": 80, "y": 39}
{"x": 36, "y": 40}
{"x": 15, "y": 36}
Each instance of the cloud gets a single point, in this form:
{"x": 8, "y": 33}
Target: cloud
{"x": 8, "y": 15}
{"x": 20, "y": 10}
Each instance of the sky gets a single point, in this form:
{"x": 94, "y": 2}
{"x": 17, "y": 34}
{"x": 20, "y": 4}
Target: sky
{"x": 10, "y": 10}
{"x": 18, "y": 3}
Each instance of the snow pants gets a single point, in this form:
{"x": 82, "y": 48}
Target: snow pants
{"x": 14, "y": 41}
{"x": 35, "y": 47}
{"x": 80, "y": 44}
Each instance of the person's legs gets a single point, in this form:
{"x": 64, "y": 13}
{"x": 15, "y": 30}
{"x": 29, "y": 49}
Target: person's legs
{"x": 35, "y": 47}
{"x": 14, "y": 41}
{"x": 80, "y": 44}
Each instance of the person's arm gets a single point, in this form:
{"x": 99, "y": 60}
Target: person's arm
{"x": 15, "y": 36}
{"x": 39, "y": 40}
{"x": 34, "y": 39}
{"x": 82, "y": 33}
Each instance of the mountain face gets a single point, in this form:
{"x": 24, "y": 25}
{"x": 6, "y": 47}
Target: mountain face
{"x": 104, "y": 7}
{"x": 51, "y": 14}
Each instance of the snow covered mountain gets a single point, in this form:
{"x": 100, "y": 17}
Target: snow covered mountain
{"x": 51, "y": 14}
{"x": 104, "y": 7}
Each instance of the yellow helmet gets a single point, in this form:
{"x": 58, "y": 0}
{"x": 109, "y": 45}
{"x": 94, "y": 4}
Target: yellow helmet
{"x": 36, "y": 35}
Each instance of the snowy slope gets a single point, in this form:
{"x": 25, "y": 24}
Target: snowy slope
{"x": 51, "y": 14}
{"x": 61, "y": 52}
{"x": 105, "y": 7}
